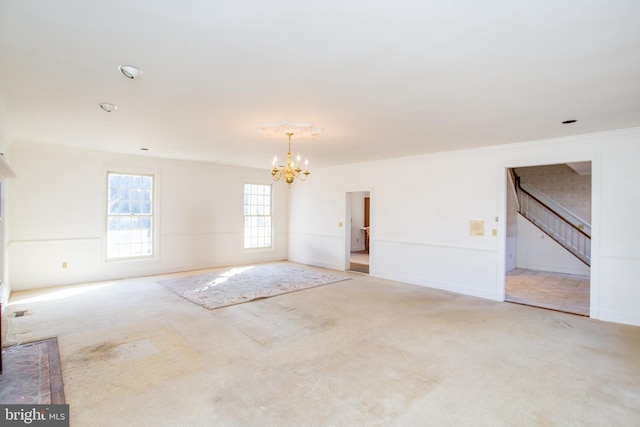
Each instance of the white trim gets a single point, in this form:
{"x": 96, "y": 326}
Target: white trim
{"x": 128, "y": 170}
{"x": 433, "y": 284}
{"x": 433, "y": 245}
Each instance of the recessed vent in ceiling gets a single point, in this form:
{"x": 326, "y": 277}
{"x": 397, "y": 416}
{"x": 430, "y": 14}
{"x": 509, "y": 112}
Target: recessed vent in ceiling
{"x": 108, "y": 107}
{"x": 129, "y": 71}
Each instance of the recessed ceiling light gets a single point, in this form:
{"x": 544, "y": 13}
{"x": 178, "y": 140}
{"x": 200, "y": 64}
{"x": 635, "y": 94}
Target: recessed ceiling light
{"x": 568, "y": 122}
{"x": 144, "y": 149}
{"x": 130, "y": 71}
{"x": 108, "y": 107}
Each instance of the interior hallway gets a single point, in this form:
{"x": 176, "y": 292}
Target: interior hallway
{"x": 365, "y": 351}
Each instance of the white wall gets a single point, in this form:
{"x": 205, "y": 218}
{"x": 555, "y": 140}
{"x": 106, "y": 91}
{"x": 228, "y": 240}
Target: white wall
{"x": 420, "y": 212}
{"x": 537, "y": 251}
{"x": 511, "y": 229}
{"x": 422, "y": 205}
{"x": 5, "y": 290}
{"x": 57, "y": 214}
{"x": 511, "y": 253}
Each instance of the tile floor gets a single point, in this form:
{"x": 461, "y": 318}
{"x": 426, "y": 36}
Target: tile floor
{"x": 359, "y": 262}
{"x": 555, "y": 291}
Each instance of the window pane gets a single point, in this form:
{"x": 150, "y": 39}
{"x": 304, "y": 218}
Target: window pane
{"x": 257, "y": 216}
{"x": 123, "y": 194}
{"x": 125, "y": 235}
{"x": 113, "y": 236}
{"x": 147, "y": 182}
{"x": 125, "y": 222}
{"x": 114, "y": 180}
{"x": 113, "y": 223}
{"x": 129, "y": 220}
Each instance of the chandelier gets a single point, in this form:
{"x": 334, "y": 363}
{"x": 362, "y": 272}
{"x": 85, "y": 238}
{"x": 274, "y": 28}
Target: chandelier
{"x": 292, "y": 170}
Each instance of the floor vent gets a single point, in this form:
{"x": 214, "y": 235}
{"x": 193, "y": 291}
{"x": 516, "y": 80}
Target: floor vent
{"x": 20, "y": 313}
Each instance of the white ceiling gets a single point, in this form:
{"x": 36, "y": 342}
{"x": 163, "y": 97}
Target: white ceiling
{"x": 382, "y": 78}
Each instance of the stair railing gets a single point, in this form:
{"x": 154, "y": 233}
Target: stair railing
{"x": 553, "y": 224}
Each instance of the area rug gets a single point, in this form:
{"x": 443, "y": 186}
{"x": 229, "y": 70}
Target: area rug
{"x": 242, "y": 284}
{"x": 31, "y": 374}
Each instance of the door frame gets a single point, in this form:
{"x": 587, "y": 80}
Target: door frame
{"x": 594, "y": 283}
{"x": 347, "y": 226}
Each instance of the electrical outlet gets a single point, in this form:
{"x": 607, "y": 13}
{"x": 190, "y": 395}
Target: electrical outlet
{"x": 64, "y": 264}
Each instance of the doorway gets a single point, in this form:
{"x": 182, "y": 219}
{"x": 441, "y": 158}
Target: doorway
{"x": 548, "y": 237}
{"x": 357, "y": 232}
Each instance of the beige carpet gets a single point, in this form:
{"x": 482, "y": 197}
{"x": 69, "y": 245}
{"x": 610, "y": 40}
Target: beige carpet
{"x": 242, "y": 284}
{"x": 365, "y": 352}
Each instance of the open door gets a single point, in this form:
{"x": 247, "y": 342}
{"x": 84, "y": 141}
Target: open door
{"x": 358, "y": 204}
{"x": 548, "y": 238}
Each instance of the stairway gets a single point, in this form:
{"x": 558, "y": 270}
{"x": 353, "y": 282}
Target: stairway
{"x": 574, "y": 238}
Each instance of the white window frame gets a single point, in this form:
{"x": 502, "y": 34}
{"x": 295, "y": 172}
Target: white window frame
{"x": 152, "y": 216}
{"x": 254, "y": 230}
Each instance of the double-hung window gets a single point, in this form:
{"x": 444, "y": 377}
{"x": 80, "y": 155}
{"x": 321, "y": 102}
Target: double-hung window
{"x": 257, "y": 216}
{"x": 130, "y": 217}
